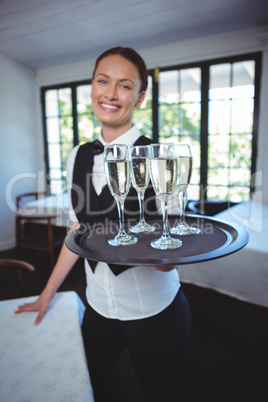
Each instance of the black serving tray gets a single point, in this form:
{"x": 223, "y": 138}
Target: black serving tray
{"x": 217, "y": 239}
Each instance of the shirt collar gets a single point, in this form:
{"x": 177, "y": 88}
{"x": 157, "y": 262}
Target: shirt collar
{"x": 128, "y": 138}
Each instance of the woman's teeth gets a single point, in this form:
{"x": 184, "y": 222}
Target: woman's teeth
{"x": 109, "y": 106}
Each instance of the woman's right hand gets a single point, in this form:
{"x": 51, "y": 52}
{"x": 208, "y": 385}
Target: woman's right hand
{"x": 65, "y": 262}
{"x": 40, "y": 305}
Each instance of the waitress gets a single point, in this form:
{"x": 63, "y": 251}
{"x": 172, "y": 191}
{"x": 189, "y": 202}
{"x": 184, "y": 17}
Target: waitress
{"x": 142, "y": 308}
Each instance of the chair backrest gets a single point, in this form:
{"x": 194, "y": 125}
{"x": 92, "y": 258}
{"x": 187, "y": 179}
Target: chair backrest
{"x": 19, "y": 266}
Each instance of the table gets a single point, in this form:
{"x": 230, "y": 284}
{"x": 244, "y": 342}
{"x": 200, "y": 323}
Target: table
{"x": 45, "y": 362}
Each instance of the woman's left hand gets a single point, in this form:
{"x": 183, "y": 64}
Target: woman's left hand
{"x": 165, "y": 268}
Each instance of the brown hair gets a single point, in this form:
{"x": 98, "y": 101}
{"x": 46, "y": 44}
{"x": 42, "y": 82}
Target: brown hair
{"x": 131, "y": 55}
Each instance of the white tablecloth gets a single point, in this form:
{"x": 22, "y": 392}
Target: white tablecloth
{"x": 244, "y": 274}
{"x": 44, "y": 363}
{"x": 54, "y": 204}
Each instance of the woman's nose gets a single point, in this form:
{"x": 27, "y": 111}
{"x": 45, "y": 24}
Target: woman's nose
{"x": 111, "y": 92}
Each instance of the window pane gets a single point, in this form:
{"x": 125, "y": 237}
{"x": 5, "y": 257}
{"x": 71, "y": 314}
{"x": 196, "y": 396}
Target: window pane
{"x": 218, "y": 193}
{"x": 83, "y": 98}
{"x": 168, "y": 86}
{"x": 240, "y": 152}
{"x": 239, "y": 176}
{"x": 65, "y": 101}
{"x": 242, "y": 115}
{"x": 195, "y": 148}
{"x": 190, "y": 84}
{"x": 218, "y": 176}
{"x": 219, "y": 117}
{"x": 53, "y": 129}
{"x": 55, "y": 174}
{"x": 239, "y": 194}
{"x": 190, "y": 115}
{"x": 169, "y": 121}
{"x": 88, "y": 125}
{"x": 244, "y": 74}
{"x": 66, "y": 148}
{"x": 51, "y": 100}
{"x": 143, "y": 117}
{"x": 218, "y": 150}
{"x": 54, "y": 156}
{"x": 56, "y": 186}
{"x": 220, "y": 81}
{"x": 193, "y": 192}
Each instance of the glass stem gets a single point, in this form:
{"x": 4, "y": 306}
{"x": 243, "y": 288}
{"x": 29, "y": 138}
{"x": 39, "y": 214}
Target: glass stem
{"x": 181, "y": 207}
{"x": 165, "y": 219}
{"x": 141, "y": 205}
{"x": 120, "y": 207}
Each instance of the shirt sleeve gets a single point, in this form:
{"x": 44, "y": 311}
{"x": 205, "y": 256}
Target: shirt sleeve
{"x": 70, "y": 166}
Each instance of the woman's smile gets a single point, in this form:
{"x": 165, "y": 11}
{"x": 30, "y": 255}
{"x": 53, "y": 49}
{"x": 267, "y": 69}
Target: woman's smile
{"x": 109, "y": 107}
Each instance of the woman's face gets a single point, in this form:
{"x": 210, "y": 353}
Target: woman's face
{"x": 116, "y": 92}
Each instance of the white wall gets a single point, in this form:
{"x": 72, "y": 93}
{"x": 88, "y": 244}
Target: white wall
{"x": 18, "y": 139}
{"x": 177, "y": 53}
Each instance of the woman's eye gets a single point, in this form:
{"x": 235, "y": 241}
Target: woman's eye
{"x": 102, "y": 81}
{"x": 125, "y": 86}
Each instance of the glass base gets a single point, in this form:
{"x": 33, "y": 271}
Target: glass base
{"x": 183, "y": 229}
{"x": 166, "y": 243}
{"x": 142, "y": 227}
{"x": 123, "y": 240}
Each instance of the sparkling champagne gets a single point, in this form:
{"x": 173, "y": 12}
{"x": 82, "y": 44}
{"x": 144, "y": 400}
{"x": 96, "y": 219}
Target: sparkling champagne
{"x": 118, "y": 175}
{"x": 164, "y": 174}
{"x": 185, "y": 171}
{"x": 140, "y": 173}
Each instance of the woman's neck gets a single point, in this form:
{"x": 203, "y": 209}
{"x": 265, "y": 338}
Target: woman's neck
{"x": 110, "y": 134}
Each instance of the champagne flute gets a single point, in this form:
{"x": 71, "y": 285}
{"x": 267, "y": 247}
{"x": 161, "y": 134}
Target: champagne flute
{"x": 164, "y": 173}
{"x": 184, "y": 176}
{"x": 117, "y": 167}
{"x": 140, "y": 179}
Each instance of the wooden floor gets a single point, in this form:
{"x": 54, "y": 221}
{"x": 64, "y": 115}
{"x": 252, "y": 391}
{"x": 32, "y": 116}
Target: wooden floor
{"x": 227, "y": 357}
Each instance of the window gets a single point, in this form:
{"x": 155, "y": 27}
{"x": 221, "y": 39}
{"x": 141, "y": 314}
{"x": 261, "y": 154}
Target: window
{"x": 230, "y": 130}
{"x": 212, "y": 105}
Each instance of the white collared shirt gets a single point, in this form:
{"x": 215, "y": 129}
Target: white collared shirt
{"x": 138, "y": 292}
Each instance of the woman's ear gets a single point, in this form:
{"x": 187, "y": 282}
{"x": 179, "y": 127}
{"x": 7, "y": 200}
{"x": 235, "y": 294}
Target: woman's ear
{"x": 140, "y": 100}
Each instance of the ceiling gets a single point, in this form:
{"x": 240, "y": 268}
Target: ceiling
{"x": 43, "y": 33}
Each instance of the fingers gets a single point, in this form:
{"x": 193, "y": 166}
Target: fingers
{"x": 26, "y": 307}
{"x": 39, "y": 317}
{"x": 165, "y": 268}
{"x": 32, "y": 307}
{"x": 40, "y": 305}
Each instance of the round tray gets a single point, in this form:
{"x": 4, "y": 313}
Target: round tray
{"x": 216, "y": 239}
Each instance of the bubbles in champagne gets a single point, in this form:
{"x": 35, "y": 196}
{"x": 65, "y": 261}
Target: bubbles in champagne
{"x": 140, "y": 173}
{"x": 164, "y": 173}
{"x": 118, "y": 177}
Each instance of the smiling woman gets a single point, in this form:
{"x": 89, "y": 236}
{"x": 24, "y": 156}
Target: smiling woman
{"x": 141, "y": 308}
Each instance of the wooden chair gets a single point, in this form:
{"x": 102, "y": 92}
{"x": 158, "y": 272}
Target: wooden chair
{"x": 19, "y": 266}
{"x": 35, "y": 233}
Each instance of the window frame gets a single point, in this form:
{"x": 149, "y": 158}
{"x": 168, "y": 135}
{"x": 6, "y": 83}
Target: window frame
{"x": 204, "y": 66}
